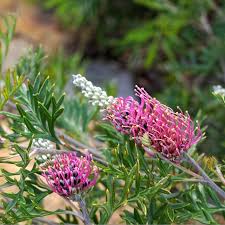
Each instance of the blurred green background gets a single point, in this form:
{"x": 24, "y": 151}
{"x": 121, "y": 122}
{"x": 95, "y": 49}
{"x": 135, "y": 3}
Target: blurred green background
{"x": 175, "y": 49}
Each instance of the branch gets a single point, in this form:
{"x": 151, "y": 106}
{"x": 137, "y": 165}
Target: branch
{"x": 43, "y": 151}
{"x": 76, "y": 143}
{"x": 205, "y": 24}
{"x": 176, "y": 165}
{"x": 95, "y": 152}
{"x": 77, "y": 214}
{"x": 209, "y": 181}
{"x": 47, "y": 221}
{"x": 192, "y": 180}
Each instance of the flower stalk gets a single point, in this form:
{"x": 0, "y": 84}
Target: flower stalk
{"x": 82, "y": 204}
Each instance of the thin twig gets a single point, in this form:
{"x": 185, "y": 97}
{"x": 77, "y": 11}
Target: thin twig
{"x": 52, "y": 151}
{"x": 177, "y": 165}
{"x": 191, "y": 180}
{"x": 76, "y": 143}
{"x": 209, "y": 181}
{"x": 46, "y": 221}
{"x": 68, "y": 212}
{"x": 43, "y": 221}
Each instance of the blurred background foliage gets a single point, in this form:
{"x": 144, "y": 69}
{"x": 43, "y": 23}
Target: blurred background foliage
{"x": 175, "y": 49}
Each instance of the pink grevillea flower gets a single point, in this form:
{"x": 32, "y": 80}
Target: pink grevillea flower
{"x": 169, "y": 133}
{"x": 67, "y": 174}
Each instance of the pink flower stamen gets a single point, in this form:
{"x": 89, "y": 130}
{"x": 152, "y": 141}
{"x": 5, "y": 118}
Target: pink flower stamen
{"x": 69, "y": 174}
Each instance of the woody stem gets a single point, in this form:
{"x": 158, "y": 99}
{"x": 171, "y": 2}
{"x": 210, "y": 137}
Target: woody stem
{"x": 176, "y": 165}
{"x": 208, "y": 180}
{"x": 82, "y": 204}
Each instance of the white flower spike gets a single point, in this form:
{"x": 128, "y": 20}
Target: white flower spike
{"x": 219, "y": 91}
{"x": 42, "y": 143}
{"x": 95, "y": 94}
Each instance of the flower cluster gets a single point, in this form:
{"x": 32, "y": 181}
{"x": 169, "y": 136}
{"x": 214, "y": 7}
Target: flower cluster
{"x": 122, "y": 114}
{"x": 42, "y": 159}
{"x": 68, "y": 175}
{"x": 150, "y": 123}
{"x": 95, "y": 94}
{"x": 169, "y": 133}
{"x": 42, "y": 146}
{"x": 42, "y": 143}
{"x": 219, "y": 90}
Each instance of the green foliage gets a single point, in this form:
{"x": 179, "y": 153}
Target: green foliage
{"x": 149, "y": 191}
{"x": 181, "y": 37}
{"x": 10, "y": 86}
{"x": 77, "y": 116}
{"x": 26, "y": 203}
{"x": 32, "y": 63}
{"x": 11, "y": 83}
{"x": 86, "y": 17}
{"x": 8, "y": 24}
{"x": 38, "y": 110}
{"x": 72, "y": 12}
{"x": 177, "y": 45}
{"x": 181, "y": 27}
{"x": 139, "y": 188}
{"x": 58, "y": 66}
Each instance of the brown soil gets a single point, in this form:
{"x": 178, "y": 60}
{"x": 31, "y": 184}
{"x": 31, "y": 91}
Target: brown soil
{"x": 33, "y": 25}
{"x": 33, "y": 28}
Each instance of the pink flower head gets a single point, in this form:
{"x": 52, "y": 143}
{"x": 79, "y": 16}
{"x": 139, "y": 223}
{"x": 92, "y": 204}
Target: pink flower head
{"x": 69, "y": 174}
{"x": 122, "y": 114}
{"x": 169, "y": 133}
